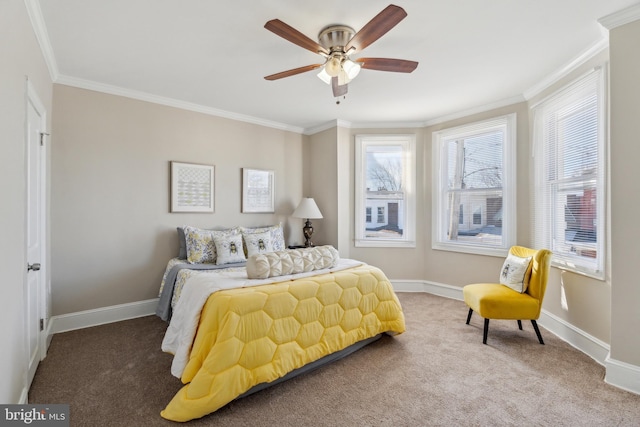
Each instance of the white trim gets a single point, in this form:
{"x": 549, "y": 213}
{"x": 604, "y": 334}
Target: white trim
{"x": 170, "y": 102}
{"x": 434, "y": 288}
{"x": 42, "y": 35}
{"x": 593, "y": 347}
{"x": 103, "y": 315}
{"x": 475, "y": 110}
{"x": 327, "y": 125}
{"x": 24, "y": 397}
{"x": 621, "y": 17}
{"x": 386, "y": 125}
{"x": 622, "y": 375}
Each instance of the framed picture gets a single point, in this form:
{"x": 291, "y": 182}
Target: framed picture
{"x": 192, "y": 187}
{"x": 257, "y": 191}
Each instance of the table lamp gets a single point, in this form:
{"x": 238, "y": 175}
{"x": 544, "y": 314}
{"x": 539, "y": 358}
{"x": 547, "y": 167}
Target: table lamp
{"x": 307, "y": 209}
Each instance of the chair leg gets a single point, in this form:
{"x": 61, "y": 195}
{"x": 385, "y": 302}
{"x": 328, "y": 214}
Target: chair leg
{"x": 486, "y": 331}
{"x": 520, "y": 324}
{"x": 469, "y": 315}
{"x": 535, "y": 326}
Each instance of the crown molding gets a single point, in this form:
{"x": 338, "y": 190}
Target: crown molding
{"x": 475, "y": 110}
{"x": 365, "y": 125}
{"x": 562, "y": 72}
{"x": 42, "y": 35}
{"x": 621, "y": 17}
{"x": 324, "y": 126}
{"x": 387, "y": 125}
{"x": 170, "y": 102}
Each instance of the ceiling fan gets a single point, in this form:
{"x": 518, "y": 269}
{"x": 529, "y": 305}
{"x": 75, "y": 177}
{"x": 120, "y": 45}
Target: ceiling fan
{"x": 337, "y": 42}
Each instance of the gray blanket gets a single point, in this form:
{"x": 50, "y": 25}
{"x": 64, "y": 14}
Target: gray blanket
{"x": 163, "y": 310}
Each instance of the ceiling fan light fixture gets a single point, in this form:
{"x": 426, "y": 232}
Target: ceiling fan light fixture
{"x": 351, "y": 68}
{"x": 324, "y": 76}
{"x": 333, "y": 66}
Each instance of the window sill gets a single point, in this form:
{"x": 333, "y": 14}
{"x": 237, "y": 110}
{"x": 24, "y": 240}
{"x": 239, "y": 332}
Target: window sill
{"x": 469, "y": 249}
{"x": 384, "y": 244}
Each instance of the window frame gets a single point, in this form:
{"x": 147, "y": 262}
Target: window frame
{"x": 507, "y": 124}
{"x": 408, "y": 144}
{"x": 544, "y": 226}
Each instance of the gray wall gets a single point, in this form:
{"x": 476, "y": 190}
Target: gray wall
{"x": 112, "y": 233}
{"x": 625, "y": 188}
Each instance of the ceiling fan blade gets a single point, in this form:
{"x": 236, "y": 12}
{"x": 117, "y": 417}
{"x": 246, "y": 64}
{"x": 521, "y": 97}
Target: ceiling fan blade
{"x": 293, "y": 72}
{"x": 338, "y": 90}
{"x": 377, "y": 27}
{"x": 289, "y": 33}
{"x": 387, "y": 64}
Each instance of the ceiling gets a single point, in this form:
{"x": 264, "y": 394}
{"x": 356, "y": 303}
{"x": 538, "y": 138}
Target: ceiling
{"x": 211, "y": 56}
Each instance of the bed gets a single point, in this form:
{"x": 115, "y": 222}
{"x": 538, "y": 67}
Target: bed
{"x": 239, "y": 327}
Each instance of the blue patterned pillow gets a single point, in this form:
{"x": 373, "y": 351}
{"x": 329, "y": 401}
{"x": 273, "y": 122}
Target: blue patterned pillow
{"x": 200, "y": 244}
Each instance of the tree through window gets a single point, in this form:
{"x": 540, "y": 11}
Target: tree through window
{"x": 475, "y": 173}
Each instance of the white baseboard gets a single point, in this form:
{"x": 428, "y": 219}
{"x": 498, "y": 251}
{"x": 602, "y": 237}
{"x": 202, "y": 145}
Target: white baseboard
{"x": 622, "y": 375}
{"x": 434, "y": 288}
{"x": 591, "y": 346}
{"x": 618, "y": 374}
{"x": 24, "y": 397}
{"x": 103, "y": 315}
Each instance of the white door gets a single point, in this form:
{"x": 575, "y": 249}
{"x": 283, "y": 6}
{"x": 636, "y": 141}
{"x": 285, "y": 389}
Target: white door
{"x": 35, "y": 294}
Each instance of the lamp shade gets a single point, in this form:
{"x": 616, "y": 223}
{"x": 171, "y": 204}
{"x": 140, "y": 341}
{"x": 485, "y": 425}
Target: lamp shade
{"x": 307, "y": 209}
{"x": 322, "y": 75}
{"x": 351, "y": 68}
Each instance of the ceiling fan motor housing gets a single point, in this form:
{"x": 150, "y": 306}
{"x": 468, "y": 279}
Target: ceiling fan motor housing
{"x": 335, "y": 37}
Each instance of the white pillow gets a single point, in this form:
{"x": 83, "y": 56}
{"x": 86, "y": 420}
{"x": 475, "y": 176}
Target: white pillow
{"x": 514, "y": 272}
{"x": 276, "y": 231}
{"x": 257, "y": 243}
{"x": 229, "y": 248}
{"x": 281, "y": 263}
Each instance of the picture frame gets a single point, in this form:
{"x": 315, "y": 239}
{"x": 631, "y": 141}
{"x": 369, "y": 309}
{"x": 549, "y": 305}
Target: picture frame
{"x": 258, "y": 194}
{"x": 192, "y": 187}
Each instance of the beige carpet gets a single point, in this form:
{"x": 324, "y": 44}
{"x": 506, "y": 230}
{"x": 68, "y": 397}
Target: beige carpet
{"x": 438, "y": 373}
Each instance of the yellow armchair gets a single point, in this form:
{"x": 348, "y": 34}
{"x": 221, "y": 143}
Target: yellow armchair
{"x": 497, "y": 301}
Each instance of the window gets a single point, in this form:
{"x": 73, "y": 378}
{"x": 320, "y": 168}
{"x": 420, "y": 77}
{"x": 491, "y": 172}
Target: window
{"x": 569, "y": 141}
{"x": 477, "y": 215}
{"x": 385, "y": 185}
{"x": 474, "y": 166}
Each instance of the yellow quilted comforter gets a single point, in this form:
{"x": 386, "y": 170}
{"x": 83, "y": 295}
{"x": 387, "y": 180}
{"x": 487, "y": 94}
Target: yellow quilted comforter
{"x": 255, "y": 335}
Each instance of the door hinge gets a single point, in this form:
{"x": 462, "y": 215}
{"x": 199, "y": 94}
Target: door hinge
{"x": 41, "y": 324}
{"x": 42, "y": 135}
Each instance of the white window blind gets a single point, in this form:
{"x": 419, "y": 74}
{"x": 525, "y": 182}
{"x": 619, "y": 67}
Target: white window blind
{"x": 569, "y": 147}
{"x": 474, "y": 196}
